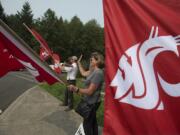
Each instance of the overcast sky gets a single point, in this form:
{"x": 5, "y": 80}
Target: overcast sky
{"x": 84, "y": 9}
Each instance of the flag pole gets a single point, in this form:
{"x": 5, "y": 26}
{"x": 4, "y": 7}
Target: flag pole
{"x": 37, "y": 40}
{"x": 28, "y": 52}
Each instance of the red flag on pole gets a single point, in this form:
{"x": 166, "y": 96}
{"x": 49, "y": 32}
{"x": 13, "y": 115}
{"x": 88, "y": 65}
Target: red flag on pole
{"x": 42, "y": 42}
{"x": 142, "y": 67}
{"x": 43, "y": 54}
{"x": 45, "y": 51}
{"x": 38, "y": 37}
{"x": 8, "y": 62}
{"x": 23, "y": 56}
{"x": 56, "y": 60}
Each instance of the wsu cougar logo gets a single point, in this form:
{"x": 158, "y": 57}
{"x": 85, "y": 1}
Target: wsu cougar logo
{"x": 136, "y": 69}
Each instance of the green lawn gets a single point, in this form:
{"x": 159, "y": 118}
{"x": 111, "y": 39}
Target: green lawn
{"x": 57, "y": 90}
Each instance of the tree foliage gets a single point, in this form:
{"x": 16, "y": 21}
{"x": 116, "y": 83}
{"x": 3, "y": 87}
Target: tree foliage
{"x": 2, "y": 14}
{"x": 16, "y": 22}
{"x": 64, "y": 37}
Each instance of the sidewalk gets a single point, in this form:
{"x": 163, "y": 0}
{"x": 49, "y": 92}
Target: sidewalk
{"x": 36, "y": 112}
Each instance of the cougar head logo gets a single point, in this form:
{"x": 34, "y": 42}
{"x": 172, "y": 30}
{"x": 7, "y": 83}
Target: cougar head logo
{"x": 136, "y": 70}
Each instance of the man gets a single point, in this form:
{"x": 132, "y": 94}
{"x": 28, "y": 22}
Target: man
{"x": 71, "y": 70}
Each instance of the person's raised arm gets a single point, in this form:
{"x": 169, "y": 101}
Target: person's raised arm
{"x": 67, "y": 69}
{"x": 81, "y": 69}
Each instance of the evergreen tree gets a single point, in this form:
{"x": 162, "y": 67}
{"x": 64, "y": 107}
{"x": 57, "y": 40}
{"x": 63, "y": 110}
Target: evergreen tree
{"x": 75, "y": 31}
{"x": 93, "y": 37}
{"x": 2, "y": 14}
{"x": 64, "y": 37}
{"x": 16, "y": 22}
{"x": 25, "y": 16}
{"x": 48, "y": 28}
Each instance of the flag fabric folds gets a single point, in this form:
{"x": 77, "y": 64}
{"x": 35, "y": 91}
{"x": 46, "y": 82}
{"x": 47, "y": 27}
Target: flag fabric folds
{"x": 45, "y": 51}
{"x": 43, "y": 54}
{"x": 8, "y": 62}
{"x": 15, "y": 54}
{"x": 39, "y": 38}
{"x": 56, "y": 60}
{"x": 142, "y": 43}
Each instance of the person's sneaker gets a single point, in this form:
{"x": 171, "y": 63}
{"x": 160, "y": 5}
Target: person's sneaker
{"x": 67, "y": 109}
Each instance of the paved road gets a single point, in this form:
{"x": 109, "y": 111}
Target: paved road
{"x": 13, "y": 85}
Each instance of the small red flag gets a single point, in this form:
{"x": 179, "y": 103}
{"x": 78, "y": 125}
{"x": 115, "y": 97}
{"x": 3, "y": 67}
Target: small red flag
{"x": 43, "y": 54}
{"x": 41, "y": 41}
{"x": 57, "y": 61}
{"x": 39, "y": 38}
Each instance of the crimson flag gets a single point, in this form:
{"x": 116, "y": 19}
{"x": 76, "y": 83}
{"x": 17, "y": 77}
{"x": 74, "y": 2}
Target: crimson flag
{"x": 41, "y": 41}
{"x": 43, "y": 54}
{"x": 57, "y": 61}
{"x": 39, "y": 38}
{"x": 142, "y": 40}
{"x": 8, "y": 62}
{"x": 45, "y": 51}
{"x": 16, "y": 54}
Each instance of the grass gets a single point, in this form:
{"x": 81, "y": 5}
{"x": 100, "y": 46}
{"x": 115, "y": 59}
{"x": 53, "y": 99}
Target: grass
{"x": 57, "y": 90}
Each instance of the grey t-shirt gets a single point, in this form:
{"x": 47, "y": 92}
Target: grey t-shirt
{"x": 97, "y": 78}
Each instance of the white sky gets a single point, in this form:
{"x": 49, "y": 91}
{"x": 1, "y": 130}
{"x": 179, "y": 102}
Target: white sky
{"x": 84, "y": 9}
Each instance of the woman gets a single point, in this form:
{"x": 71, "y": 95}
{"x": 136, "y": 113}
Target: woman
{"x": 94, "y": 80}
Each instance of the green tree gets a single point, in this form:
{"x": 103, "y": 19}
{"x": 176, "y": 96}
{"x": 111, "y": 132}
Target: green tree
{"x": 64, "y": 37}
{"x": 75, "y": 31}
{"x": 48, "y": 27}
{"x": 25, "y": 16}
{"x": 16, "y": 22}
{"x": 13, "y": 21}
{"x": 2, "y": 14}
{"x": 93, "y": 38}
